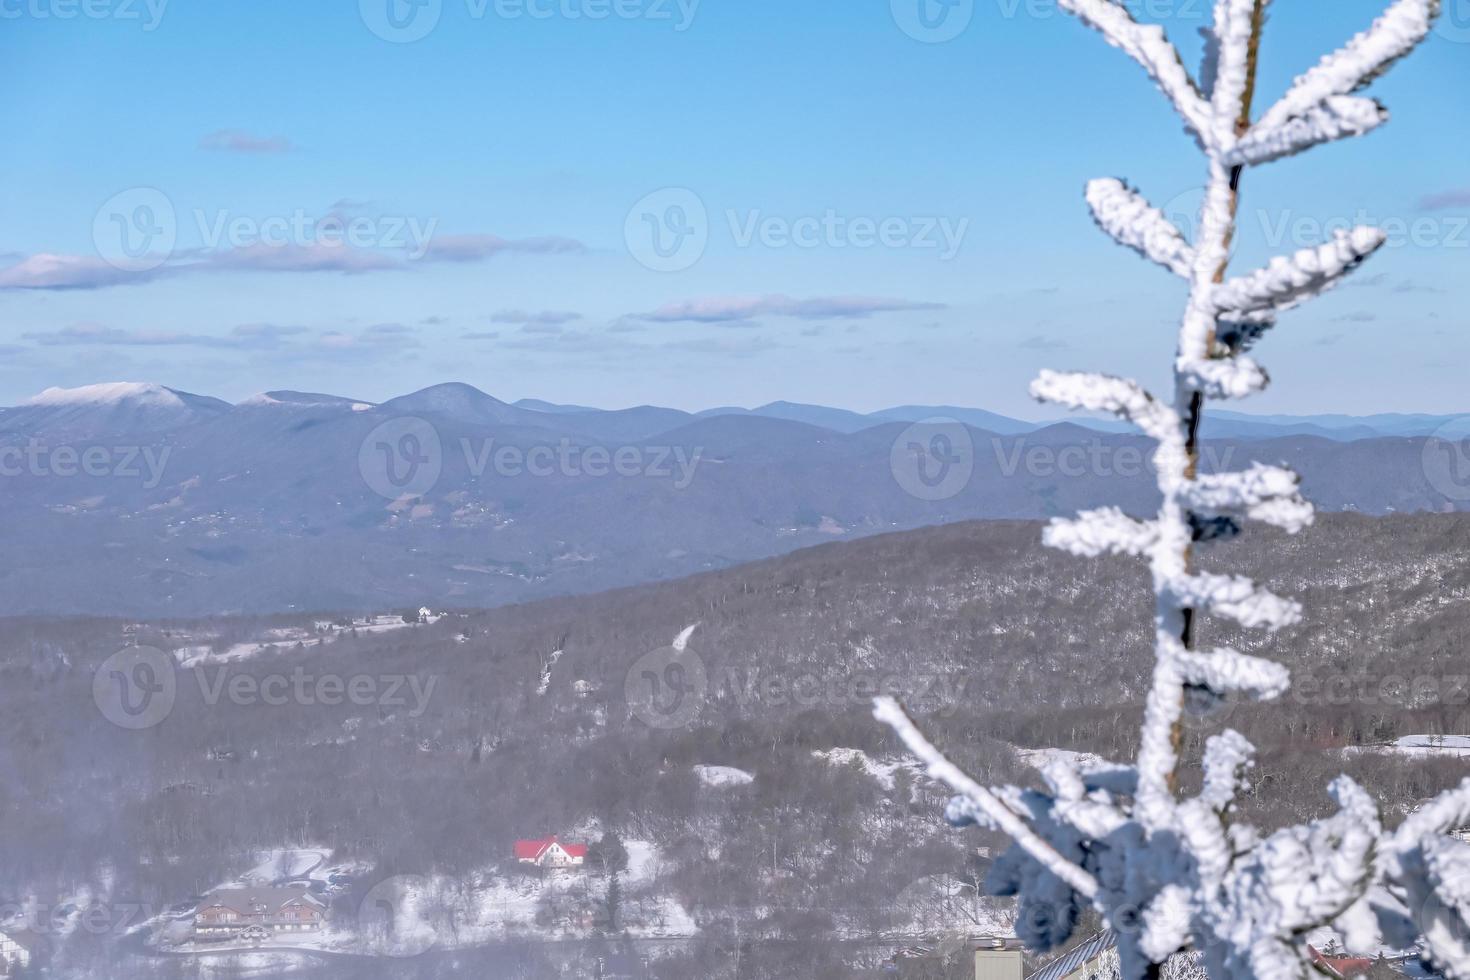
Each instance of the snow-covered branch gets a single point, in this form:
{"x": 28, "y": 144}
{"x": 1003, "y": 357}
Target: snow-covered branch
{"x": 1368, "y": 55}
{"x": 1171, "y": 874}
{"x": 1097, "y": 532}
{"x": 1290, "y": 280}
{"x": 1337, "y": 117}
{"x": 1122, "y": 212}
{"x": 1269, "y": 494}
{"x": 1148, "y": 45}
{"x": 939, "y": 767}
{"x": 1236, "y": 597}
{"x": 1105, "y": 393}
{"x": 1225, "y": 671}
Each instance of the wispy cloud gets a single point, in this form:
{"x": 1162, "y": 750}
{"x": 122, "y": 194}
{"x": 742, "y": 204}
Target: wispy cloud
{"x": 239, "y": 141}
{"x": 477, "y": 248}
{"x": 570, "y": 342}
{"x": 542, "y": 318}
{"x": 1040, "y": 342}
{"x": 744, "y": 309}
{"x": 269, "y": 340}
{"x": 1444, "y": 200}
{"x": 317, "y": 257}
{"x": 254, "y": 335}
{"x": 725, "y": 346}
{"x": 48, "y": 271}
{"x": 1410, "y": 286}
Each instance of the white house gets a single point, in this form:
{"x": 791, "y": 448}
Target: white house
{"x": 15, "y": 951}
{"x": 550, "y": 853}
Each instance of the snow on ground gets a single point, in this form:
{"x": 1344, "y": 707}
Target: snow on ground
{"x": 112, "y": 393}
{"x": 880, "y": 771}
{"x": 286, "y": 638}
{"x": 284, "y": 864}
{"x": 546, "y": 668}
{"x": 1423, "y": 746}
{"x": 1037, "y": 758}
{"x": 720, "y": 777}
{"x": 252, "y": 964}
{"x": 442, "y": 912}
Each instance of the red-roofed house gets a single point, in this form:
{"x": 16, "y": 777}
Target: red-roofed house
{"x": 550, "y": 853}
{"x": 1344, "y": 967}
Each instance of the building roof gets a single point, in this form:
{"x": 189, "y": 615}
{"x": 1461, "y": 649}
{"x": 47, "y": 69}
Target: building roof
{"x": 531, "y": 850}
{"x": 1069, "y": 963}
{"x": 1341, "y": 966}
{"x": 246, "y": 900}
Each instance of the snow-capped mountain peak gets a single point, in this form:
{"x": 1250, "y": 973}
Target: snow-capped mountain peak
{"x": 108, "y": 394}
{"x": 305, "y": 399}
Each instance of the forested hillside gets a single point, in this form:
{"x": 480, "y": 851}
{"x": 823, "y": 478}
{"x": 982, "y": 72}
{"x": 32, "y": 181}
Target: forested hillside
{"x": 488, "y": 734}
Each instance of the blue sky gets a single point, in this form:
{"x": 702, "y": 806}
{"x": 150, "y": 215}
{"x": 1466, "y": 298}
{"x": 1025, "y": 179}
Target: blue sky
{"x": 885, "y": 219}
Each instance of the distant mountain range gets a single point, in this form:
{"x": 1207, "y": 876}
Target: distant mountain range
{"x": 139, "y": 499}
{"x": 149, "y": 406}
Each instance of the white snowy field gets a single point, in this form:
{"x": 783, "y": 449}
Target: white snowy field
{"x": 277, "y": 640}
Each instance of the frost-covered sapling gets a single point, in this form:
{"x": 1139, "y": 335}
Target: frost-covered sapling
{"x": 1171, "y": 873}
